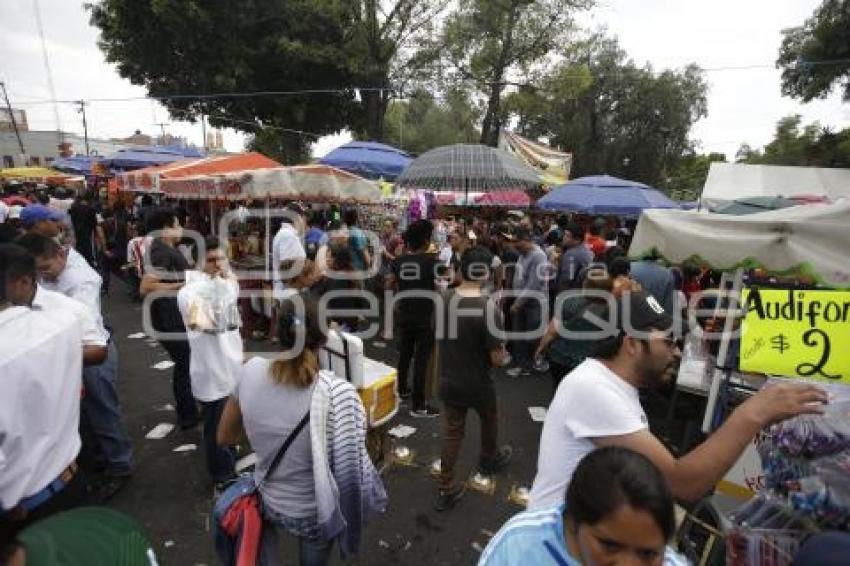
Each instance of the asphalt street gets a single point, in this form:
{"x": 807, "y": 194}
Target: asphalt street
{"x": 170, "y": 493}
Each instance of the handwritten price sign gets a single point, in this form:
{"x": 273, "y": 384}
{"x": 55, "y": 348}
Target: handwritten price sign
{"x": 797, "y": 333}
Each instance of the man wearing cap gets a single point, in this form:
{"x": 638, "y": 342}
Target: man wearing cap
{"x": 597, "y": 405}
{"x": 40, "y": 219}
{"x": 100, "y": 407}
{"x": 531, "y": 289}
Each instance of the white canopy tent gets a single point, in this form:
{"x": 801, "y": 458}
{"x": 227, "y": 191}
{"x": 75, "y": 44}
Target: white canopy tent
{"x": 730, "y": 181}
{"x": 813, "y": 240}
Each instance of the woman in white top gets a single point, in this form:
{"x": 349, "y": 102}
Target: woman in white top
{"x": 271, "y": 398}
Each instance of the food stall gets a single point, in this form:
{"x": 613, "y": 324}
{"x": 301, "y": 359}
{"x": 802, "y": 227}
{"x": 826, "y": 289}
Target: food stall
{"x": 781, "y": 307}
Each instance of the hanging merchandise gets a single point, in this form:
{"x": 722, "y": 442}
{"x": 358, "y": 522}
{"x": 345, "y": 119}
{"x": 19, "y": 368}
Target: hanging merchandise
{"x": 765, "y": 532}
{"x": 212, "y": 304}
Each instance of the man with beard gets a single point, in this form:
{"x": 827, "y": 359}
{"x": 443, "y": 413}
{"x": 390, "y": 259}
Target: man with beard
{"x": 597, "y": 405}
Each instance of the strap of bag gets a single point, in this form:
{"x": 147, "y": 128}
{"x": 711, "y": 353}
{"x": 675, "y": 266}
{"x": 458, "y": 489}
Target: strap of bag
{"x": 289, "y": 439}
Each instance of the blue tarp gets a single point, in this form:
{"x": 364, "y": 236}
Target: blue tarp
{"x": 369, "y": 159}
{"x": 128, "y": 159}
{"x": 602, "y": 194}
{"x": 76, "y": 164}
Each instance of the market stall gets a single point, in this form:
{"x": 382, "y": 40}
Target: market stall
{"x": 42, "y": 175}
{"x": 782, "y": 307}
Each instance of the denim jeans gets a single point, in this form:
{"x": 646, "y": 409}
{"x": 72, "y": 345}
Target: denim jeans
{"x": 102, "y": 410}
{"x": 181, "y": 355}
{"x": 221, "y": 460}
{"x": 312, "y": 550}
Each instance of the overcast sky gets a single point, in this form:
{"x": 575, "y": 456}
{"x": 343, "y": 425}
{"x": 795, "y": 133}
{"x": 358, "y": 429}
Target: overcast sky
{"x": 744, "y": 105}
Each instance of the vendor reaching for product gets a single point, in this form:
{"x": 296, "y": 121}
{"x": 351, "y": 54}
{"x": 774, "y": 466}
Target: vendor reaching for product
{"x": 597, "y": 405}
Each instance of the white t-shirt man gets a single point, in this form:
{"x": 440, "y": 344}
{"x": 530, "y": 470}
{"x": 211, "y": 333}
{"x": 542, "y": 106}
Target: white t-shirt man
{"x": 41, "y": 368}
{"x": 591, "y": 402}
{"x": 285, "y": 246}
{"x": 216, "y": 358}
{"x": 92, "y": 333}
{"x": 80, "y": 282}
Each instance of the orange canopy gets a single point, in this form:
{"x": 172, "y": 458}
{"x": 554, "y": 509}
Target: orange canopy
{"x": 149, "y": 178}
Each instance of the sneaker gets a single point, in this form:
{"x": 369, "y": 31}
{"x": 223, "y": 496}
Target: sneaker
{"x": 518, "y": 372}
{"x": 426, "y": 412}
{"x": 448, "y": 499}
{"x": 497, "y": 464}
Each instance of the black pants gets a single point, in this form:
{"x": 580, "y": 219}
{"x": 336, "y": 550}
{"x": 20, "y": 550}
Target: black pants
{"x": 221, "y": 460}
{"x": 181, "y": 354}
{"x": 75, "y": 494}
{"x": 417, "y": 341}
{"x": 557, "y": 372}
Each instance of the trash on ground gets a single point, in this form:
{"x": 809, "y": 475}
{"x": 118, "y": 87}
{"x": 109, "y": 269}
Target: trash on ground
{"x": 401, "y": 431}
{"x": 165, "y": 364}
{"x": 159, "y": 431}
{"x": 186, "y": 448}
{"x": 136, "y": 336}
{"x": 538, "y": 414}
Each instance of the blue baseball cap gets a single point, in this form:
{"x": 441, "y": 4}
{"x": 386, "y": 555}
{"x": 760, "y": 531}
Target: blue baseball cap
{"x": 33, "y": 213}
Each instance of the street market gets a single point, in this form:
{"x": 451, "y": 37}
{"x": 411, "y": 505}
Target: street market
{"x": 258, "y": 355}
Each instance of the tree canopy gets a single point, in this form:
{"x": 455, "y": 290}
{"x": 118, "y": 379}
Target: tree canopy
{"x": 423, "y": 122}
{"x": 795, "y": 144}
{"x": 816, "y": 55}
{"x": 616, "y": 118}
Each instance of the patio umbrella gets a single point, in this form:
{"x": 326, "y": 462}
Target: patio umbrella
{"x": 76, "y": 164}
{"x": 752, "y": 205}
{"x": 468, "y": 168}
{"x": 370, "y": 160}
{"x": 602, "y": 194}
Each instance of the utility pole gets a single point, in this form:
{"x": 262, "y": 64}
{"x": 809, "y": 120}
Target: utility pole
{"x": 14, "y": 122}
{"x": 82, "y": 111}
{"x": 204, "y": 130}
{"x": 162, "y": 126}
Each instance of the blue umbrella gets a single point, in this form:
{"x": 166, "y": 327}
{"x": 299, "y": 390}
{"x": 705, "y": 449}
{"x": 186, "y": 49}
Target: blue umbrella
{"x": 129, "y": 159}
{"x": 76, "y": 164}
{"x": 602, "y": 194}
{"x": 369, "y": 159}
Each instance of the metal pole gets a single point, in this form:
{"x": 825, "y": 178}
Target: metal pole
{"x": 82, "y": 104}
{"x": 204, "y": 130}
{"x": 14, "y": 122}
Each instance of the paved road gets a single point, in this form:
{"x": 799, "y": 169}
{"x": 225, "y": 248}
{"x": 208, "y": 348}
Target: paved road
{"x": 171, "y": 494}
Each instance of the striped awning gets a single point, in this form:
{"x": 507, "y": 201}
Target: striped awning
{"x": 468, "y": 168}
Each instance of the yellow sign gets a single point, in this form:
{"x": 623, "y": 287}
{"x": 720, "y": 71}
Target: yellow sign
{"x": 797, "y": 334}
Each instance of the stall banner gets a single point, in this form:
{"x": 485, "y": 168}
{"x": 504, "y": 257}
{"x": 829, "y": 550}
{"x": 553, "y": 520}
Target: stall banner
{"x": 797, "y": 333}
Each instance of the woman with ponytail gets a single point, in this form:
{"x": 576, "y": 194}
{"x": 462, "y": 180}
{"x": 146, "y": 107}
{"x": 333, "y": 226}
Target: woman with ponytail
{"x": 324, "y": 486}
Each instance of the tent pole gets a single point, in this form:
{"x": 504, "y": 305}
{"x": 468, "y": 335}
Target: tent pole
{"x": 268, "y": 234}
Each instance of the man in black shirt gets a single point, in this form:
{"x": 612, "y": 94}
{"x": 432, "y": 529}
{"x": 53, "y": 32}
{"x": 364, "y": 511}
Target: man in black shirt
{"x": 84, "y": 219}
{"x": 415, "y": 271}
{"x": 473, "y": 342}
{"x": 165, "y": 271}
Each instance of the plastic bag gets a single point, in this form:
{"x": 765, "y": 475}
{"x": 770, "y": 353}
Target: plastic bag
{"x": 214, "y": 304}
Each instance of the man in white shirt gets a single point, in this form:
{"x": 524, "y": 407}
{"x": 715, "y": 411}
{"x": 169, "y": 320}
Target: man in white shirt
{"x": 597, "y": 405}
{"x": 70, "y": 275}
{"x": 40, "y": 369}
{"x": 216, "y": 353}
{"x": 286, "y": 246}
{"x": 22, "y": 290}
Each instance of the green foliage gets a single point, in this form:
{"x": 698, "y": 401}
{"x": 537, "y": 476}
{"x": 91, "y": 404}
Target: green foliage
{"x": 279, "y": 145}
{"x": 486, "y": 42}
{"x": 421, "y": 122}
{"x": 688, "y": 175}
{"x": 795, "y": 144}
{"x": 190, "y": 47}
{"x": 615, "y": 117}
{"x": 816, "y": 55}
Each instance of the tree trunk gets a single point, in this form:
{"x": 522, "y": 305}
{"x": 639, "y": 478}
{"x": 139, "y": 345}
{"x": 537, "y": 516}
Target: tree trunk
{"x": 490, "y": 126}
{"x": 375, "y": 103}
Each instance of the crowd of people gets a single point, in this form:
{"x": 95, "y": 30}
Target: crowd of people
{"x": 461, "y": 298}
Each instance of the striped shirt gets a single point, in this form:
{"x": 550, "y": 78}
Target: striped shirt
{"x": 537, "y": 537}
